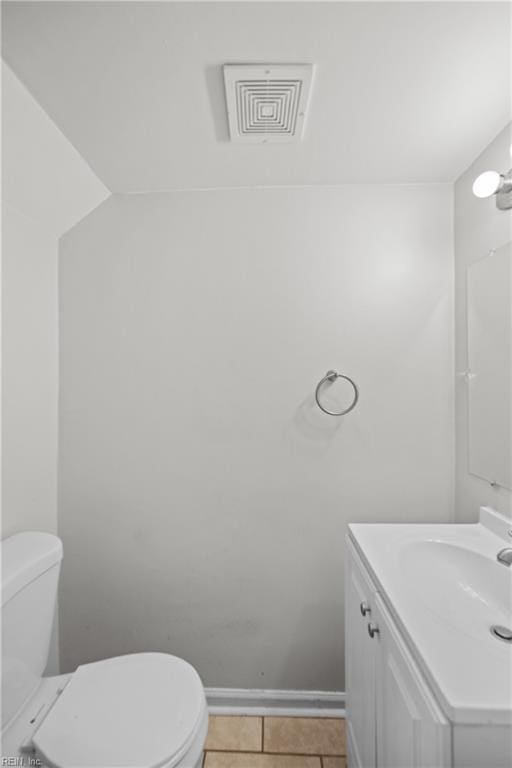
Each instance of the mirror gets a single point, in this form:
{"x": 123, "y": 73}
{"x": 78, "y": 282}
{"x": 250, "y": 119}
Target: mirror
{"x": 489, "y": 375}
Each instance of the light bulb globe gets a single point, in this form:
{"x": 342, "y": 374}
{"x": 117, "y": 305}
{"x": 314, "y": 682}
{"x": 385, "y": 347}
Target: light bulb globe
{"x": 486, "y": 184}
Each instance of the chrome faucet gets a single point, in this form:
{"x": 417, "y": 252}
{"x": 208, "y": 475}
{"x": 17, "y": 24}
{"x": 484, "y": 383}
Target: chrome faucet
{"x": 505, "y": 556}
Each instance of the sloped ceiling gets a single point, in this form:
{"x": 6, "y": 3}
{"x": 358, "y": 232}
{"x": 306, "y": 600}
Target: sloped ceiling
{"x": 43, "y": 176}
{"x": 403, "y": 92}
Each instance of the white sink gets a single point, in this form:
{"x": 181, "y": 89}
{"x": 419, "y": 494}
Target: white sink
{"x": 469, "y": 590}
{"x": 446, "y": 589}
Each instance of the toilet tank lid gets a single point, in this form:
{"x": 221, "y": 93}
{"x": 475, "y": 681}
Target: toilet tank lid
{"x": 25, "y": 556}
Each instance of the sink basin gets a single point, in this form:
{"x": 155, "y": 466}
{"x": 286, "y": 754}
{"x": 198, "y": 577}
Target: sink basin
{"x": 464, "y": 587}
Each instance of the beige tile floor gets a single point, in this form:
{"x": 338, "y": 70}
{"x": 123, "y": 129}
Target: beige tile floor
{"x": 275, "y": 742}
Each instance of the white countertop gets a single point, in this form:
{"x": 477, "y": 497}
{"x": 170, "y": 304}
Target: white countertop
{"x": 445, "y": 589}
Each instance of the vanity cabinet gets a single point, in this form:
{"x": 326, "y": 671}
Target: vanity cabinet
{"x": 393, "y": 720}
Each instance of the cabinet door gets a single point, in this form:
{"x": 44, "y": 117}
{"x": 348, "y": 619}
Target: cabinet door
{"x": 359, "y": 663}
{"x": 411, "y": 729}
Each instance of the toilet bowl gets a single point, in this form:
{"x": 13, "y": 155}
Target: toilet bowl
{"x": 144, "y": 710}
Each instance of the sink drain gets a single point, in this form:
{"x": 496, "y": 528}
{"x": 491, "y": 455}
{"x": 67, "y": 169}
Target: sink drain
{"x": 502, "y": 633}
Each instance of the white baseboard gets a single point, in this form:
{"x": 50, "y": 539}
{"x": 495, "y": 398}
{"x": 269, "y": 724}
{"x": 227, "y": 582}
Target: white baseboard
{"x": 254, "y": 701}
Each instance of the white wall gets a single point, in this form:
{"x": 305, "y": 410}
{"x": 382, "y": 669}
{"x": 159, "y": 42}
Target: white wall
{"x": 203, "y": 496}
{"x": 29, "y": 386}
{"x": 479, "y": 227}
{"x": 46, "y": 188}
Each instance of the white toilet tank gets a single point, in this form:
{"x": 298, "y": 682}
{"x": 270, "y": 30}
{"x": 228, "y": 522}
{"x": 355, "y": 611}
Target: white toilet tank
{"x": 30, "y": 575}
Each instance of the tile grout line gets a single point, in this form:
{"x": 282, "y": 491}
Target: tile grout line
{"x": 273, "y": 754}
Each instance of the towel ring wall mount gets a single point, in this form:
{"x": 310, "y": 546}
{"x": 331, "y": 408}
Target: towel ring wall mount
{"x": 331, "y": 376}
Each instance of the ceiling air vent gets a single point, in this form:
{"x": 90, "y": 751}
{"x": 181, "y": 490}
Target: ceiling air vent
{"x": 267, "y": 102}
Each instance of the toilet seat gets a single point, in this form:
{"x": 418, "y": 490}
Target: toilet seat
{"x": 137, "y": 711}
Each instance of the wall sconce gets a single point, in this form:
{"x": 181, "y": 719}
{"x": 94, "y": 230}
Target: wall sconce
{"x": 493, "y": 183}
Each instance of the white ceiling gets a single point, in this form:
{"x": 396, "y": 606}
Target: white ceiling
{"x": 403, "y": 92}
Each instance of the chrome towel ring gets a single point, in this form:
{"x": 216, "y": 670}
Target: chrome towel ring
{"x": 332, "y": 376}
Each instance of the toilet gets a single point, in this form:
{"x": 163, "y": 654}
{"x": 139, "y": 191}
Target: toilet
{"x": 145, "y": 710}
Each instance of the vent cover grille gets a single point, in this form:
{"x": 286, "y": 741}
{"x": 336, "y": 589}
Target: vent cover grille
{"x": 267, "y": 102}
